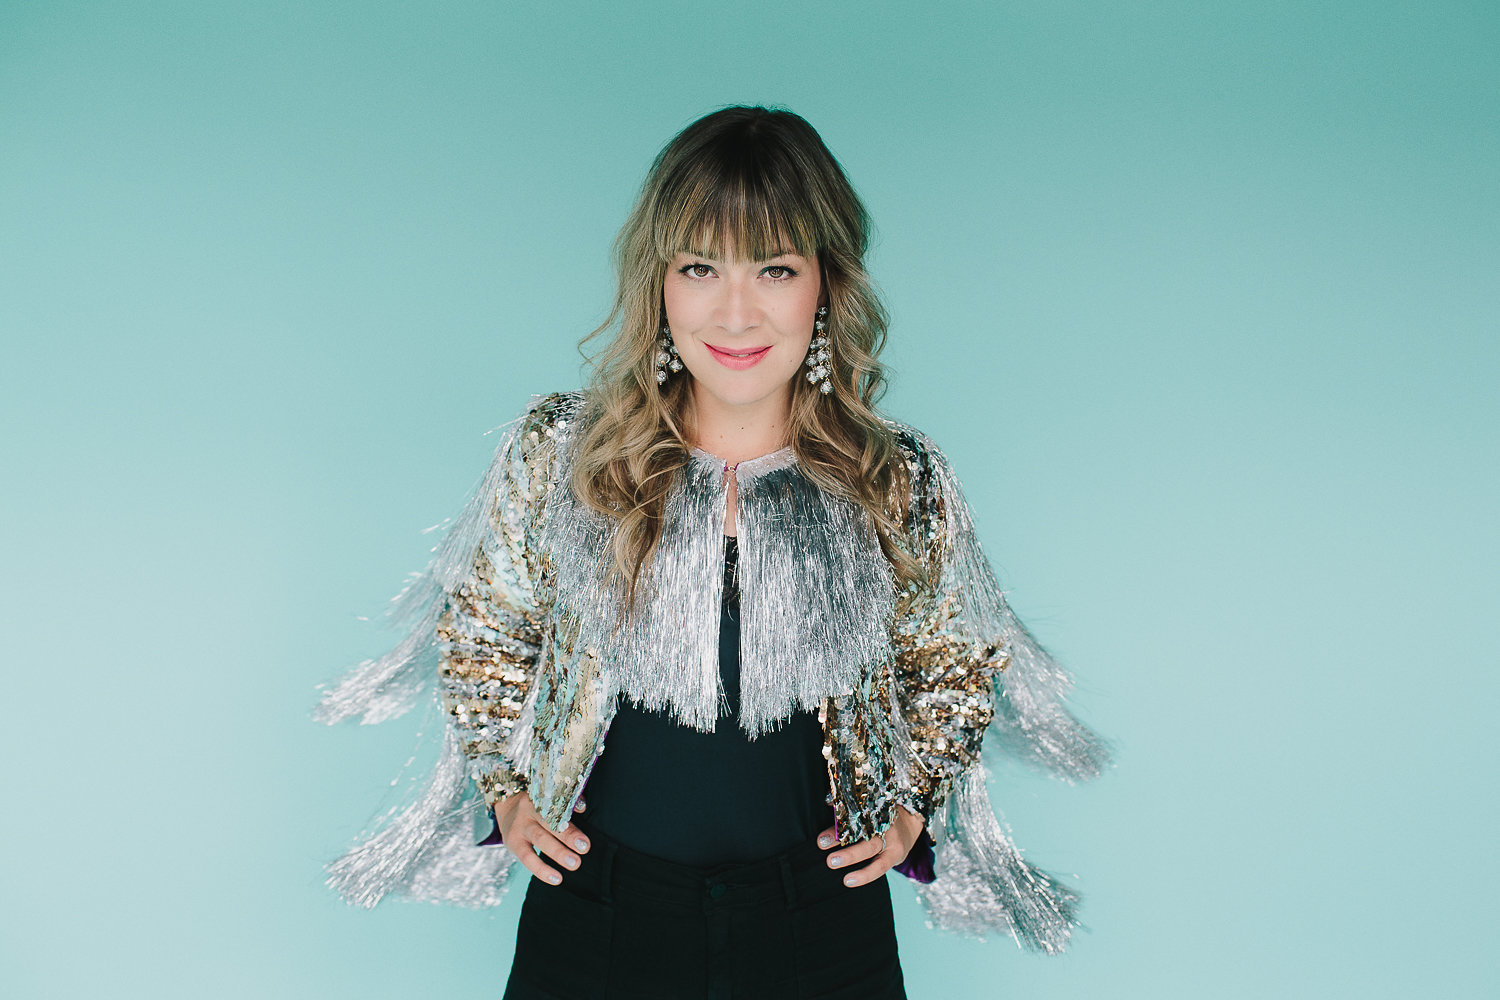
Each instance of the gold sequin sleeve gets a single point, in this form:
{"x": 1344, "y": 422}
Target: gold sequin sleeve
{"x": 947, "y": 644}
{"x": 490, "y": 631}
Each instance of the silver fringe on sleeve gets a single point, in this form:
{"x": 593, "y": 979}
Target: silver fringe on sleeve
{"x": 388, "y": 686}
{"x": 1032, "y": 722}
{"x": 985, "y": 886}
{"x": 425, "y": 851}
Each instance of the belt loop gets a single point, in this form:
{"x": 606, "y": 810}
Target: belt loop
{"x": 787, "y": 883}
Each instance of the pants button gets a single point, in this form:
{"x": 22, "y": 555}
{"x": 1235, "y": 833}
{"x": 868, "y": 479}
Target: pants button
{"x": 716, "y": 890}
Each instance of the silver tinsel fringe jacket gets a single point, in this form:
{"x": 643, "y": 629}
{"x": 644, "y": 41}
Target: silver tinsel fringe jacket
{"x": 515, "y": 622}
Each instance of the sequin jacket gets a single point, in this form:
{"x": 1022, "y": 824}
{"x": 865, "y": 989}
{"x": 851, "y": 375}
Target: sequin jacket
{"x": 520, "y": 630}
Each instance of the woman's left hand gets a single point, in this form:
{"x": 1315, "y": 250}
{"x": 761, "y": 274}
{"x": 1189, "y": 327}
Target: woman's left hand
{"x": 887, "y": 851}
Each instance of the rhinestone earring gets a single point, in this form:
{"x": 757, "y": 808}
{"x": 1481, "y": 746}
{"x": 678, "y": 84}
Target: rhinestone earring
{"x": 666, "y": 356}
{"x": 818, "y": 357}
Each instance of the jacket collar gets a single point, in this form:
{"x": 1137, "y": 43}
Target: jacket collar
{"x": 750, "y": 468}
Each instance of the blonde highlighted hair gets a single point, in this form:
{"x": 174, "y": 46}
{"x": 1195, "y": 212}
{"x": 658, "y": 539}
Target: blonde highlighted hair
{"x": 758, "y": 180}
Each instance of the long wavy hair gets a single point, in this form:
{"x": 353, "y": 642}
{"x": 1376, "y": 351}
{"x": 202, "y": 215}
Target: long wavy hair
{"x": 755, "y": 179}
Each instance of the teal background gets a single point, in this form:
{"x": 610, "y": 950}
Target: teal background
{"x": 1201, "y": 300}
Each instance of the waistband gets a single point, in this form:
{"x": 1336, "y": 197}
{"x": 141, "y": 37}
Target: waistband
{"x": 609, "y": 869}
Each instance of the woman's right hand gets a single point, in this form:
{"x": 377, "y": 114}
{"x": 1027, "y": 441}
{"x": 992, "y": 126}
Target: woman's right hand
{"x": 524, "y": 834}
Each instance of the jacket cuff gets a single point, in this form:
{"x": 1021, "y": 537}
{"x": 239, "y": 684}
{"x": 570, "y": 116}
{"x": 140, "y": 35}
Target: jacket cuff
{"x": 502, "y": 781}
{"x": 919, "y": 794}
{"x": 917, "y": 864}
{"x": 499, "y": 782}
{"x": 494, "y": 834}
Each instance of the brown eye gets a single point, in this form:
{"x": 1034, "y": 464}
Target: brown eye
{"x": 785, "y": 272}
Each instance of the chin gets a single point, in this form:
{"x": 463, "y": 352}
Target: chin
{"x": 742, "y": 395}
{"x": 740, "y": 398}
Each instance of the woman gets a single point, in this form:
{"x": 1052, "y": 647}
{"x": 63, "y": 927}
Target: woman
{"x": 744, "y": 613}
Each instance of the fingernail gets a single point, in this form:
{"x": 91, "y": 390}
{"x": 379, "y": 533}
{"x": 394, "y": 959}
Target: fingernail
{"x": 581, "y": 844}
{"x": 554, "y": 878}
{"x": 849, "y": 880}
{"x": 836, "y": 860}
{"x": 571, "y": 862}
{"x": 825, "y": 841}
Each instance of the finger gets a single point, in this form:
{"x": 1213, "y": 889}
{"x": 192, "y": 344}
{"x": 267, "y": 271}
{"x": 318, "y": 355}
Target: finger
{"x": 828, "y": 838}
{"x": 884, "y": 853}
{"x": 575, "y": 838}
{"x": 581, "y": 806}
{"x": 854, "y": 853}
{"x": 883, "y": 863}
{"x": 546, "y": 841}
{"x": 532, "y": 863}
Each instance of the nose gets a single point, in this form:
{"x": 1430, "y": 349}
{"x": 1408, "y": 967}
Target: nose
{"x": 738, "y": 309}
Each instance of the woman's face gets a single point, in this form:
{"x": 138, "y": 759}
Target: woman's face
{"x": 742, "y": 327}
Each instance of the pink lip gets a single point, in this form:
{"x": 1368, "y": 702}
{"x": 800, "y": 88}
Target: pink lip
{"x": 750, "y": 360}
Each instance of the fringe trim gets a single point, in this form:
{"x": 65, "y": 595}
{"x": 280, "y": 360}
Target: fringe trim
{"x": 387, "y": 687}
{"x": 1032, "y": 722}
{"x": 426, "y": 853}
{"x": 425, "y": 850}
{"x": 985, "y": 886}
{"x": 816, "y": 595}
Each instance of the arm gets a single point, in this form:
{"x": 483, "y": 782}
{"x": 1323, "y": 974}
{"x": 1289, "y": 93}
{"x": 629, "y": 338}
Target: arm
{"x": 490, "y": 635}
{"x": 966, "y": 666}
{"x": 474, "y": 610}
{"x": 488, "y": 639}
{"x": 948, "y": 642}
{"x": 490, "y": 629}
{"x": 940, "y": 692}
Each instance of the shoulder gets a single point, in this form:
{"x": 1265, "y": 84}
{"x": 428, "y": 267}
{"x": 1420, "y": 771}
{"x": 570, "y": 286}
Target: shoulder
{"x": 529, "y": 456}
{"x": 915, "y": 446}
{"x": 927, "y": 467}
{"x": 934, "y": 495}
{"x": 553, "y": 412}
{"x": 541, "y": 428}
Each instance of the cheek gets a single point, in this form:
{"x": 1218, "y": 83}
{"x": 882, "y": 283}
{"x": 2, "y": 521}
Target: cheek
{"x": 794, "y": 360}
{"x": 670, "y": 306}
{"x": 679, "y": 307}
{"x": 797, "y": 322}
{"x": 686, "y": 306}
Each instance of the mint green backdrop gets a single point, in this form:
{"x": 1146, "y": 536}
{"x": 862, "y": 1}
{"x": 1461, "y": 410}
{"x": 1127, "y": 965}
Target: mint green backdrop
{"x": 1200, "y": 298}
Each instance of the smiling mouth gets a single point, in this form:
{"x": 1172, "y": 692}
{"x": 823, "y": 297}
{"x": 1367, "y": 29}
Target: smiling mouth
{"x": 738, "y": 359}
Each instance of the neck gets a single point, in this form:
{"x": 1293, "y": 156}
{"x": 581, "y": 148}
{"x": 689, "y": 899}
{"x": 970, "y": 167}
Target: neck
{"x": 738, "y": 433}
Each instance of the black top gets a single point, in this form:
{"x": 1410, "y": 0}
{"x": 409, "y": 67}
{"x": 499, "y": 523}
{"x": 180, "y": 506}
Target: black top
{"x": 699, "y": 798}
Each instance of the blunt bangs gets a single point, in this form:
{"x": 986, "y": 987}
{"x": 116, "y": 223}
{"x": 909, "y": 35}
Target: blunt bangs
{"x": 750, "y": 198}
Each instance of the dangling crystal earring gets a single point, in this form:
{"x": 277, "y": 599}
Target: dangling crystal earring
{"x": 818, "y": 358}
{"x": 666, "y": 356}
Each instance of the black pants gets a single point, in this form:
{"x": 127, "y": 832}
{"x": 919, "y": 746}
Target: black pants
{"x": 627, "y": 925}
